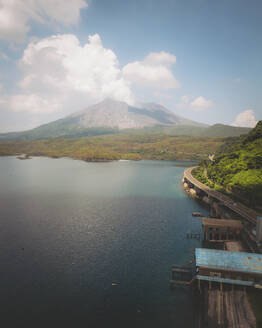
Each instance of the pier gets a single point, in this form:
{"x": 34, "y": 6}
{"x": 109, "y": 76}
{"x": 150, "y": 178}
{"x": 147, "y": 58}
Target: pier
{"x": 221, "y": 230}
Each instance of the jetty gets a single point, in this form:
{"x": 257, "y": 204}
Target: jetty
{"x": 221, "y": 230}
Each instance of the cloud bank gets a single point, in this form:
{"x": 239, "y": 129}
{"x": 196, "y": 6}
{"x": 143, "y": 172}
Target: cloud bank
{"x": 246, "y": 119}
{"x": 16, "y": 15}
{"x": 58, "y": 72}
{"x": 61, "y": 75}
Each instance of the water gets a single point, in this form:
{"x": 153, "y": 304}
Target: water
{"x": 92, "y": 244}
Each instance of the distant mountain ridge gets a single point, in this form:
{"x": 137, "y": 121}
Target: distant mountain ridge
{"x": 110, "y": 117}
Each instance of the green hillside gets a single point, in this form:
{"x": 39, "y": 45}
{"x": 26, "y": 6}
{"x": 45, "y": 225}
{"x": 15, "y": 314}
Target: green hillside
{"x": 64, "y": 128}
{"x": 237, "y": 166}
{"x": 221, "y": 130}
{"x": 118, "y": 146}
{"x": 67, "y": 128}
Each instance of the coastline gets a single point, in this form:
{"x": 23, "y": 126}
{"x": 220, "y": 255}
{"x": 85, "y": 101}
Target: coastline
{"x": 184, "y": 163}
{"x": 251, "y": 298}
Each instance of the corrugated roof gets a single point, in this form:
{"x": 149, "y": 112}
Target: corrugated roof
{"x": 226, "y": 280}
{"x": 222, "y": 222}
{"x": 239, "y": 261}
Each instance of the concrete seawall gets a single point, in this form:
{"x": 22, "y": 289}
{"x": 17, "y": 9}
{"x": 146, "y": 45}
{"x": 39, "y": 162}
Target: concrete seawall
{"x": 218, "y": 201}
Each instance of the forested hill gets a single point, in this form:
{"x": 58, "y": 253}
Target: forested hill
{"x": 237, "y": 166}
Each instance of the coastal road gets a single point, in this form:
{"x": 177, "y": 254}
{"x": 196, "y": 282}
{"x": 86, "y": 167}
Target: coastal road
{"x": 236, "y": 207}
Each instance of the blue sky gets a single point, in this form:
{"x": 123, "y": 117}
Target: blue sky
{"x": 199, "y": 58}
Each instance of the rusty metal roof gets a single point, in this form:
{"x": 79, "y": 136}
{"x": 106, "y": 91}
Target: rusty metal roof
{"x": 237, "y": 261}
{"x": 222, "y": 223}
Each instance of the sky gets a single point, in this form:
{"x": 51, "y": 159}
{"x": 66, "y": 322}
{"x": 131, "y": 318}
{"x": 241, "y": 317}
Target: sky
{"x": 201, "y": 59}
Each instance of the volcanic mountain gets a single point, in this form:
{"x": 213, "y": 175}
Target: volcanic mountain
{"x": 110, "y": 116}
{"x": 118, "y": 114}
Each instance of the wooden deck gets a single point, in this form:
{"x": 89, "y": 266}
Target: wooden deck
{"x": 227, "y": 309}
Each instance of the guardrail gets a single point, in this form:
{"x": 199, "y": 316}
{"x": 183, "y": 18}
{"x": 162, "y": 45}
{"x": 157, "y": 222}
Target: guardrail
{"x": 236, "y": 207}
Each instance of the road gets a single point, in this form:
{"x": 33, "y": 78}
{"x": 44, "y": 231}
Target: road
{"x": 238, "y": 208}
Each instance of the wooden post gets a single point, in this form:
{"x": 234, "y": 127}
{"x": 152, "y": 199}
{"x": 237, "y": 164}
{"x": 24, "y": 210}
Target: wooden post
{"x": 199, "y": 286}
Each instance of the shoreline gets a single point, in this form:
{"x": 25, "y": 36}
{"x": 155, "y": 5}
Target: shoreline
{"x": 198, "y": 191}
{"x": 188, "y": 163}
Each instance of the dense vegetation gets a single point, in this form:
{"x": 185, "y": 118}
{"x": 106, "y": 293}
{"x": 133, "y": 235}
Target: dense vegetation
{"x": 237, "y": 167}
{"x": 97, "y": 144}
{"x": 119, "y": 146}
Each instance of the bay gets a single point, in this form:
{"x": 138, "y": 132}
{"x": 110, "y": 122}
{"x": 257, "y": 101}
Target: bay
{"x": 92, "y": 244}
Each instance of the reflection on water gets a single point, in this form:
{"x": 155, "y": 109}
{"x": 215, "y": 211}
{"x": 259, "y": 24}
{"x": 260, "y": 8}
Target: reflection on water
{"x": 92, "y": 244}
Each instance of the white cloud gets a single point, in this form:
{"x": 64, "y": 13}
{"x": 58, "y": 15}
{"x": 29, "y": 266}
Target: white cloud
{"x": 61, "y": 11}
{"x": 154, "y": 71}
{"x": 59, "y": 73}
{"x": 161, "y": 58}
{"x": 246, "y": 119}
{"x": 15, "y": 15}
{"x": 199, "y": 104}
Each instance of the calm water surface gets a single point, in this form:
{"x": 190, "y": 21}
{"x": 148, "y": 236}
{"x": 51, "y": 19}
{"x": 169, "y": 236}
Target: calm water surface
{"x": 70, "y": 229}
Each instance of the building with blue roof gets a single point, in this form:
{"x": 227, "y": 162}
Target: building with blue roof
{"x": 237, "y": 268}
